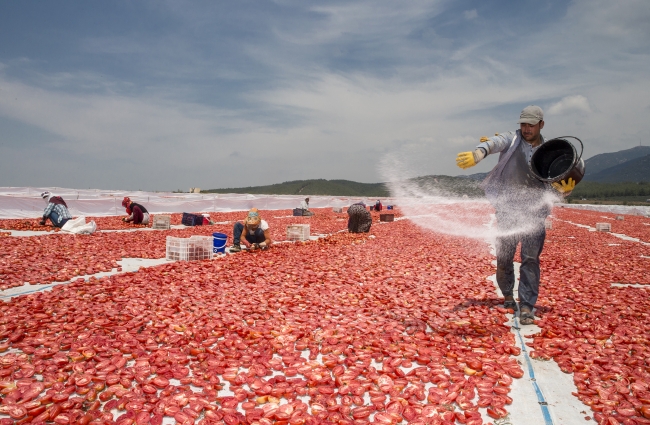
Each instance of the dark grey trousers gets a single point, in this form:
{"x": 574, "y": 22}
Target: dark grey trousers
{"x": 532, "y": 244}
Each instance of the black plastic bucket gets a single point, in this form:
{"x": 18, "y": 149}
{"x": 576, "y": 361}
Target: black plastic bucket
{"x": 556, "y": 160}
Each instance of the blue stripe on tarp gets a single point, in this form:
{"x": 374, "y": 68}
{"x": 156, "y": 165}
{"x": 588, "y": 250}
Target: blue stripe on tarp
{"x": 540, "y": 397}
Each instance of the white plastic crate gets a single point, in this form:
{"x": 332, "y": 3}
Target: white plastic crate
{"x": 337, "y": 209}
{"x": 548, "y": 224}
{"x": 603, "y": 227}
{"x": 162, "y": 222}
{"x": 620, "y": 217}
{"x": 298, "y": 232}
{"x": 189, "y": 249}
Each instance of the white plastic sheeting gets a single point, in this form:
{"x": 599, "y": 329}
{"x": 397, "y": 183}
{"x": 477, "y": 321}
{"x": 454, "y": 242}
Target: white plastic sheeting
{"x": 614, "y": 209}
{"x": 26, "y": 202}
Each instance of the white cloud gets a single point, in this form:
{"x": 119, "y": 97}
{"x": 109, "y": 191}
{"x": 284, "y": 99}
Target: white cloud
{"x": 463, "y": 141}
{"x": 326, "y": 97}
{"x": 570, "y": 104}
{"x": 470, "y": 14}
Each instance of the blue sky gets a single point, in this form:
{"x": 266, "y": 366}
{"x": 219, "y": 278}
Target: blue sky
{"x": 171, "y": 95}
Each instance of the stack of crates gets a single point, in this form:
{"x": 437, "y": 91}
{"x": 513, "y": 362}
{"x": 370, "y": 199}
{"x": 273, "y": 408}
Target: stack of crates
{"x": 189, "y": 249}
{"x": 161, "y": 222}
{"x": 298, "y": 232}
{"x": 603, "y": 227}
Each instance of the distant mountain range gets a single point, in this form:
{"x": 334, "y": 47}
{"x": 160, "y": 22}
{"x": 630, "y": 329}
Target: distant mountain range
{"x": 630, "y": 165}
{"x": 603, "y": 161}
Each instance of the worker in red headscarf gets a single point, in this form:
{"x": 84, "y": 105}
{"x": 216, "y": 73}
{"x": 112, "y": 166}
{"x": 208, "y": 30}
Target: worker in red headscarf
{"x": 137, "y": 213}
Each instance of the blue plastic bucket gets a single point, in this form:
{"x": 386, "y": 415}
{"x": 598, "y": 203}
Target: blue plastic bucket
{"x": 219, "y": 242}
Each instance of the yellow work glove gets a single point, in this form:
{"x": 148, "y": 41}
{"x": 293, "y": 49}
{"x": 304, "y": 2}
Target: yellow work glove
{"x": 564, "y": 187}
{"x": 470, "y": 159}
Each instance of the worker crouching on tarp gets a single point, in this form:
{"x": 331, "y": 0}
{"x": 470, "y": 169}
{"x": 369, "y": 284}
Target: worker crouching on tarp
{"x": 521, "y": 203}
{"x": 137, "y": 213}
{"x": 56, "y": 210}
{"x": 304, "y": 206}
{"x": 255, "y": 230}
{"x": 359, "y": 220}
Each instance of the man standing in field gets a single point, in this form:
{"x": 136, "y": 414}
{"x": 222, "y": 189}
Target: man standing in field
{"x": 522, "y": 203}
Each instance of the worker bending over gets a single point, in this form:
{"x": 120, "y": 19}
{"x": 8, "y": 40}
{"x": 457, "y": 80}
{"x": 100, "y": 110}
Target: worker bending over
{"x": 359, "y": 218}
{"x": 137, "y": 213}
{"x": 255, "y": 230}
{"x": 56, "y": 210}
{"x": 521, "y": 206}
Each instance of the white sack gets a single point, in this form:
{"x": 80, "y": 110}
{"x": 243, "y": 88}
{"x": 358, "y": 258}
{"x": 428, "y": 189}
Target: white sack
{"x": 79, "y": 226}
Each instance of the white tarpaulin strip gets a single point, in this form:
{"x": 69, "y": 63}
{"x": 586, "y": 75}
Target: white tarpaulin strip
{"x": 614, "y": 209}
{"x": 26, "y": 202}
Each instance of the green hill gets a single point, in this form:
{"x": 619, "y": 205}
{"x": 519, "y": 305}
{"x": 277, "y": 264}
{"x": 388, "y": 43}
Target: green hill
{"x": 447, "y": 185}
{"x": 312, "y": 187}
{"x": 456, "y": 186}
{"x": 609, "y": 190}
{"x": 452, "y": 185}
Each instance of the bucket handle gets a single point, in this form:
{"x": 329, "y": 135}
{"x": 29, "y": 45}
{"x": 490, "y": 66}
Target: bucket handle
{"x": 582, "y": 147}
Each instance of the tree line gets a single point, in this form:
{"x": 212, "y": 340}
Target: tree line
{"x": 610, "y": 190}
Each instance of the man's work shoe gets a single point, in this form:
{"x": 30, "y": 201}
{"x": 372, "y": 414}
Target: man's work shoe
{"x": 512, "y": 304}
{"x": 526, "y": 316}
{"x": 235, "y": 248}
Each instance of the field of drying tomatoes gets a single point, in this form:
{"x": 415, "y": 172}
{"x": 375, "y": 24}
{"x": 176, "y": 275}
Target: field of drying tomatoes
{"x": 322, "y": 216}
{"x": 59, "y": 257}
{"x": 633, "y": 226}
{"x": 592, "y": 329}
{"x": 398, "y": 325}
